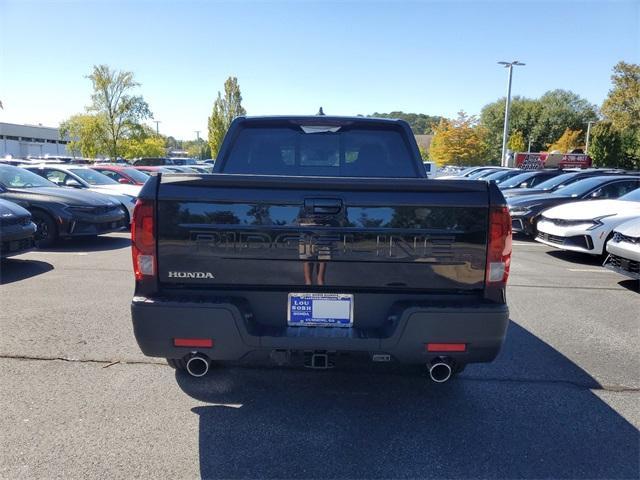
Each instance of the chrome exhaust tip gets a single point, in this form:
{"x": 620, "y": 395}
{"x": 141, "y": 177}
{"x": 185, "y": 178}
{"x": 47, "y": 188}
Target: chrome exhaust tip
{"x": 440, "y": 370}
{"x": 198, "y": 365}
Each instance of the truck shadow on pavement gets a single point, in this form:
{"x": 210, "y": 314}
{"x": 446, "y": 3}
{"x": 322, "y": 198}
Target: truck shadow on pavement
{"x": 521, "y": 237}
{"x": 576, "y": 257}
{"x": 531, "y": 414}
{"x": 13, "y": 270}
{"x": 89, "y": 244}
{"x": 633, "y": 285}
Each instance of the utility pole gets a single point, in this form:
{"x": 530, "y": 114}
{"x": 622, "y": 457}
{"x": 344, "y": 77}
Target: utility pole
{"x": 507, "y": 107}
{"x": 157, "y": 122}
{"x": 529, "y": 148}
{"x": 198, "y": 142}
{"x": 586, "y": 145}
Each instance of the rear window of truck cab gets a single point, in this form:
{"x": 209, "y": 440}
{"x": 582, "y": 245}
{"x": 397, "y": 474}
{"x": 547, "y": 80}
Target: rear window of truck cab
{"x": 312, "y": 151}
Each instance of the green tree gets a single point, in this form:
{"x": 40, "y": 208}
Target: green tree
{"x": 542, "y": 120}
{"x": 523, "y": 117}
{"x": 420, "y": 123}
{"x": 561, "y": 110}
{"x": 144, "y": 147}
{"x": 206, "y": 151}
{"x": 114, "y": 117}
{"x": 459, "y": 142}
{"x": 568, "y": 141}
{"x": 173, "y": 144}
{"x": 516, "y": 142}
{"x": 606, "y": 145}
{"x": 197, "y": 148}
{"x": 87, "y": 134}
{"x": 225, "y": 109}
{"x": 622, "y": 105}
{"x": 113, "y": 101}
{"x": 622, "y": 109}
{"x": 143, "y": 141}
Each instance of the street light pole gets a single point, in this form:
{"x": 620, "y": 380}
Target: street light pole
{"x": 198, "y": 142}
{"x": 157, "y": 122}
{"x": 507, "y": 108}
{"x": 586, "y": 145}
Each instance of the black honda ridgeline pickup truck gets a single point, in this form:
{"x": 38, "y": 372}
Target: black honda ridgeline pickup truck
{"x": 315, "y": 239}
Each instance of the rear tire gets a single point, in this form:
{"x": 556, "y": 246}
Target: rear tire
{"x": 46, "y": 234}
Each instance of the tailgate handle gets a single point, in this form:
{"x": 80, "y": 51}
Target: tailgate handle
{"x": 323, "y": 205}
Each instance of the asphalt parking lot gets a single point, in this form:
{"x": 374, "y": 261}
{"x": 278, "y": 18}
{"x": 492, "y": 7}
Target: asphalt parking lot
{"x": 80, "y": 401}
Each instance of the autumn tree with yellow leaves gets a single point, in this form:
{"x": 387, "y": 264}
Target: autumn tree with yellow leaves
{"x": 460, "y": 141}
{"x": 516, "y": 142}
{"x": 568, "y": 141}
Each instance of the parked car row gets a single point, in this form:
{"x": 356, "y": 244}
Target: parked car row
{"x": 608, "y": 228}
{"x": 125, "y": 175}
{"x": 175, "y": 164}
{"x": 69, "y": 208}
{"x": 86, "y": 178}
{"x": 592, "y": 211}
{"x": 58, "y": 198}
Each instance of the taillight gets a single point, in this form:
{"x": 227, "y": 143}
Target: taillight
{"x": 143, "y": 240}
{"x": 499, "y": 247}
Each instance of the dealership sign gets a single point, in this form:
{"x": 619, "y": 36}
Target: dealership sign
{"x": 535, "y": 161}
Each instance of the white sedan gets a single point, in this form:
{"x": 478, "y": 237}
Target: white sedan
{"x": 77, "y": 176}
{"x": 624, "y": 249}
{"x": 586, "y": 226}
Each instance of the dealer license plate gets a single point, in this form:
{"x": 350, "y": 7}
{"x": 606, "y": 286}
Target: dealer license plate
{"x": 320, "y": 310}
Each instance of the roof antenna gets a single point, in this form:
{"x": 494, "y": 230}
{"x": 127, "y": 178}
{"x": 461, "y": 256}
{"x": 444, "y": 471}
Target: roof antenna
{"x": 320, "y": 112}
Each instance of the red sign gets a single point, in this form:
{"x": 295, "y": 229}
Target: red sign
{"x": 575, "y": 160}
{"x": 536, "y": 161}
{"x": 529, "y": 161}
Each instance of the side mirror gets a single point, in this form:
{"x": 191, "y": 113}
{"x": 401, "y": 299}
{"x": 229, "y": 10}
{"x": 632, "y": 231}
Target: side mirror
{"x": 523, "y": 185}
{"x": 124, "y": 180}
{"x": 596, "y": 194}
{"x": 73, "y": 183}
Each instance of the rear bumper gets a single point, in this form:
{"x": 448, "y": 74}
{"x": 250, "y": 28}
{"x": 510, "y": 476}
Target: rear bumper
{"x": 156, "y": 323}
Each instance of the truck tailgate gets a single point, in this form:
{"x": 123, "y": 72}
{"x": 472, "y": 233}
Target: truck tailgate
{"x": 226, "y": 231}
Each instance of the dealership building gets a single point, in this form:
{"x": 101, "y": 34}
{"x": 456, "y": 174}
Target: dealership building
{"x": 21, "y": 141}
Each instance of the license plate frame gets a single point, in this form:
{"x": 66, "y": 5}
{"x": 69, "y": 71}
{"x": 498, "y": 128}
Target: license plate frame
{"x": 320, "y": 310}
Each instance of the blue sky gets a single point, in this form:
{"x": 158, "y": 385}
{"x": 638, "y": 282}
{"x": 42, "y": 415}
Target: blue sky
{"x": 351, "y": 57}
